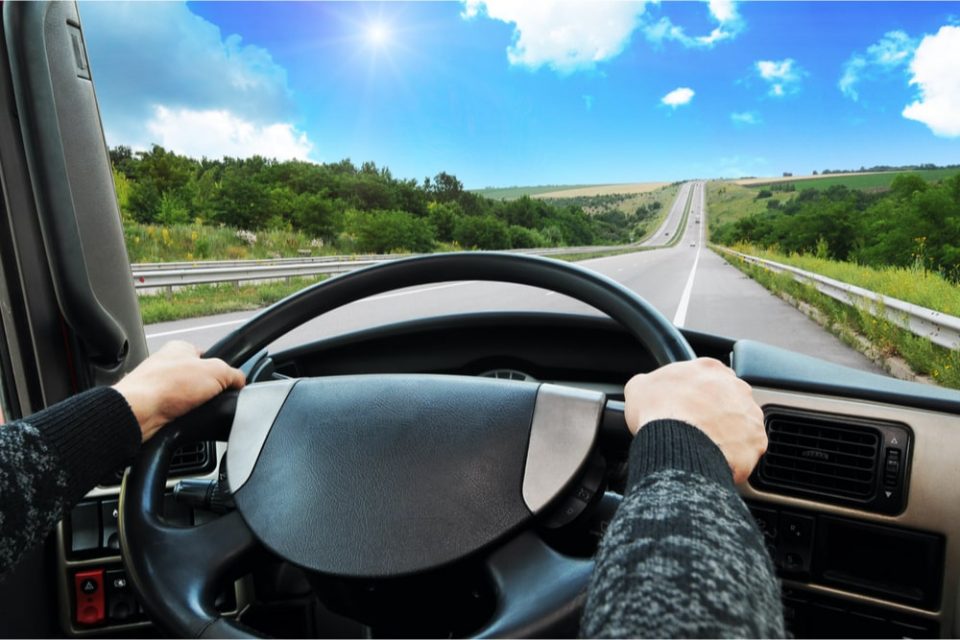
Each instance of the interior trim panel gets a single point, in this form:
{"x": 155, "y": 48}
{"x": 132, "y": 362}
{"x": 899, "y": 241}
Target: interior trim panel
{"x": 933, "y": 495}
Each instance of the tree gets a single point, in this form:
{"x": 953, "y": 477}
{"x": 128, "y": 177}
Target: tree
{"x": 386, "y": 231}
{"x": 482, "y": 233}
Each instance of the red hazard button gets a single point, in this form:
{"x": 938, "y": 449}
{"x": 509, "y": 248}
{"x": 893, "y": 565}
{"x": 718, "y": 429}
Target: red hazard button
{"x": 89, "y": 590}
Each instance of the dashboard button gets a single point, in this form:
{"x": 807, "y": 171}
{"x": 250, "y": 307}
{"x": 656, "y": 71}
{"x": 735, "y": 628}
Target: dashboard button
{"x": 89, "y": 595}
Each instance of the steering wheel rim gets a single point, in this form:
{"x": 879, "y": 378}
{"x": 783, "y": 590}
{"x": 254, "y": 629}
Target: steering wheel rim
{"x": 148, "y": 543}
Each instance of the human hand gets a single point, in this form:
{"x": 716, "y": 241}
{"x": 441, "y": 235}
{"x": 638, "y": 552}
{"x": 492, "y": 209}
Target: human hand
{"x": 173, "y": 381}
{"x": 709, "y": 396}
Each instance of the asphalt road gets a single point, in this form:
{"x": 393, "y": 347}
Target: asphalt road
{"x": 688, "y": 283}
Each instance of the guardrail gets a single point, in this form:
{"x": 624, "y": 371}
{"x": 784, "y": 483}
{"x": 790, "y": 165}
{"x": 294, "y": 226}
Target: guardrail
{"x": 179, "y": 274}
{"x": 939, "y": 328}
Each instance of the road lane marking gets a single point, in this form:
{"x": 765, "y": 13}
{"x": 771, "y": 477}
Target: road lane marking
{"x": 681, "y": 317}
{"x": 384, "y": 296}
{"x": 191, "y": 329}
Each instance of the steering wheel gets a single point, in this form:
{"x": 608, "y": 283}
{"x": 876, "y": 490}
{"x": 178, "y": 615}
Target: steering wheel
{"x": 374, "y": 478}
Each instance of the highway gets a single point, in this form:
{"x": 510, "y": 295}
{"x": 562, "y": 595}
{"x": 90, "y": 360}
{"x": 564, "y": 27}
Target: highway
{"x": 691, "y": 285}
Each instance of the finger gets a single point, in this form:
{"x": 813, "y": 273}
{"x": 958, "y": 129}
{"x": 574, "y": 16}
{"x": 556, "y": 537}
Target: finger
{"x": 227, "y": 376}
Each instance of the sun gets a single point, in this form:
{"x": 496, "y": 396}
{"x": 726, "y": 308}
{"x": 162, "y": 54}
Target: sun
{"x": 378, "y": 34}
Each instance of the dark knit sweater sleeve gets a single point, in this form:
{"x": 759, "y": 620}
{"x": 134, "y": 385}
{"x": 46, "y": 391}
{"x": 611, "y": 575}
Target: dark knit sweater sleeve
{"x": 49, "y": 460}
{"x": 682, "y": 557}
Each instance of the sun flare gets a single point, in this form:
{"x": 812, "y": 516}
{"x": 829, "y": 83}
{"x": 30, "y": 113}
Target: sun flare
{"x": 378, "y": 34}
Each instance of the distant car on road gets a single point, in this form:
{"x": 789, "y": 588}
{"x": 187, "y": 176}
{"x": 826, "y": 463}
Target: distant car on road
{"x": 693, "y": 244}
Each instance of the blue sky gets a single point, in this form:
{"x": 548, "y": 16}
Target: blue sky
{"x": 518, "y": 93}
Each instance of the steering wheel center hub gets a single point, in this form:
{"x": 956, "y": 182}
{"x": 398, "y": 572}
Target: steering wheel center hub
{"x": 382, "y": 476}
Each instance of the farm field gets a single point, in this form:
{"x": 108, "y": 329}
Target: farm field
{"x": 603, "y": 190}
{"x": 878, "y": 180}
{"x": 512, "y": 193}
{"x": 555, "y": 191}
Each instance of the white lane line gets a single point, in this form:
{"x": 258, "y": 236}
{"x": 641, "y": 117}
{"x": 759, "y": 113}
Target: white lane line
{"x": 681, "y": 317}
{"x": 384, "y": 296}
{"x": 192, "y": 329}
{"x": 204, "y": 327}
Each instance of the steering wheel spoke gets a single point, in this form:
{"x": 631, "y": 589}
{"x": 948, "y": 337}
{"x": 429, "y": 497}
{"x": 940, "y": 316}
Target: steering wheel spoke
{"x": 540, "y": 592}
{"x": 197, "y": 563}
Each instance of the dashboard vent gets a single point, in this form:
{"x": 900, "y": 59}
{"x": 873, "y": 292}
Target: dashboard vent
{"x": 834, "y": 459}
{"x": 508, "y": 374}
{"x": 191, "y": 459}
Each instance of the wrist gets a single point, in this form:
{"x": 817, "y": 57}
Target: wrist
{"x": 143, "y": 408}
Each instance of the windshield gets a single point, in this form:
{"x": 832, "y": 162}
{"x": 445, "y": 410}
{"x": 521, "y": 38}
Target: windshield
{"x": 715, "y": 157}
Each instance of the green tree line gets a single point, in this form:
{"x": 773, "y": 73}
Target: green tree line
{"x": 914, "y": 223}
{"x": 360, "y": 208}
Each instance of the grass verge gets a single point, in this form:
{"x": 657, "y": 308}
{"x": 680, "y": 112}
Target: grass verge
{"x": 919, "y": 286}
{"x": 848, "y": 322}
{"x": 208, "y": 300}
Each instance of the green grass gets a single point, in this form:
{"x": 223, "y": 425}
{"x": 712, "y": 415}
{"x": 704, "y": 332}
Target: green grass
{"x": 728, "y": 202}
{"x": 188, "y": 242}
{"x": 512, "y": 193}
{"x": 873, "y": 181}
{"x": 207, "y": 300}
{"x": 919, "y": 286}
{"x": 940, "y": 364}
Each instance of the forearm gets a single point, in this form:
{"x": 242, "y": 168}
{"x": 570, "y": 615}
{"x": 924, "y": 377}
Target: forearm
{"x": 49, "y": 460}
{"x": 682, "y": 557}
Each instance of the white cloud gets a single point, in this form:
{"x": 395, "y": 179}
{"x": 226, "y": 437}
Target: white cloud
{"x": 216, "y": 133}
{"x": 678, "y": 97}
{"x": 565, "y": 36}
{"x": 934, "y": 71}
{"x": 723, "y": 12}
{"x": 568, "y": 36}
{"x": 892, "y": 51}
{"x": 144, "y": 54}
{"x": 783, "y": 76}
{"x": 746, "y": 118}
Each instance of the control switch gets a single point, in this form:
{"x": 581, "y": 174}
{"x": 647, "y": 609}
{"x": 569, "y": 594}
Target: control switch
{"x": 88, "y": 586}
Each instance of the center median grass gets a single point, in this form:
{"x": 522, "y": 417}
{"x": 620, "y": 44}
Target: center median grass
{"x": 212, "y": 299}
{"x": 848, "y": 322}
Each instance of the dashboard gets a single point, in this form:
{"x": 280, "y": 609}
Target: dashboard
{"x": 858, "y": 497}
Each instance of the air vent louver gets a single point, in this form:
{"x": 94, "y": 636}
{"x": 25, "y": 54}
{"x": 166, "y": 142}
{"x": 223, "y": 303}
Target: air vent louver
{"x": 808, "y": 453}
{"x": 832, "y": 459}
{"x": 191, "y": 459}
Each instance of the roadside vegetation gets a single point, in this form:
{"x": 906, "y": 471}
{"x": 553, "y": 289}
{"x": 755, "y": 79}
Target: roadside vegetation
{"x": 641, "y": 213}
{"x": 913, "y": 224}
{"x": 207, "y": 300}
{"x": 912, "y": 284}
{"x": 849, "y": 322}
{"x": 327, "y": 208}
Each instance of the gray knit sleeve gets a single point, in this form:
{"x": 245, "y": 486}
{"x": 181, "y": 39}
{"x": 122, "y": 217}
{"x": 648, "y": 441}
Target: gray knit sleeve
{"x": 49, "y": 460}
{"x": 682, "y": 557}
